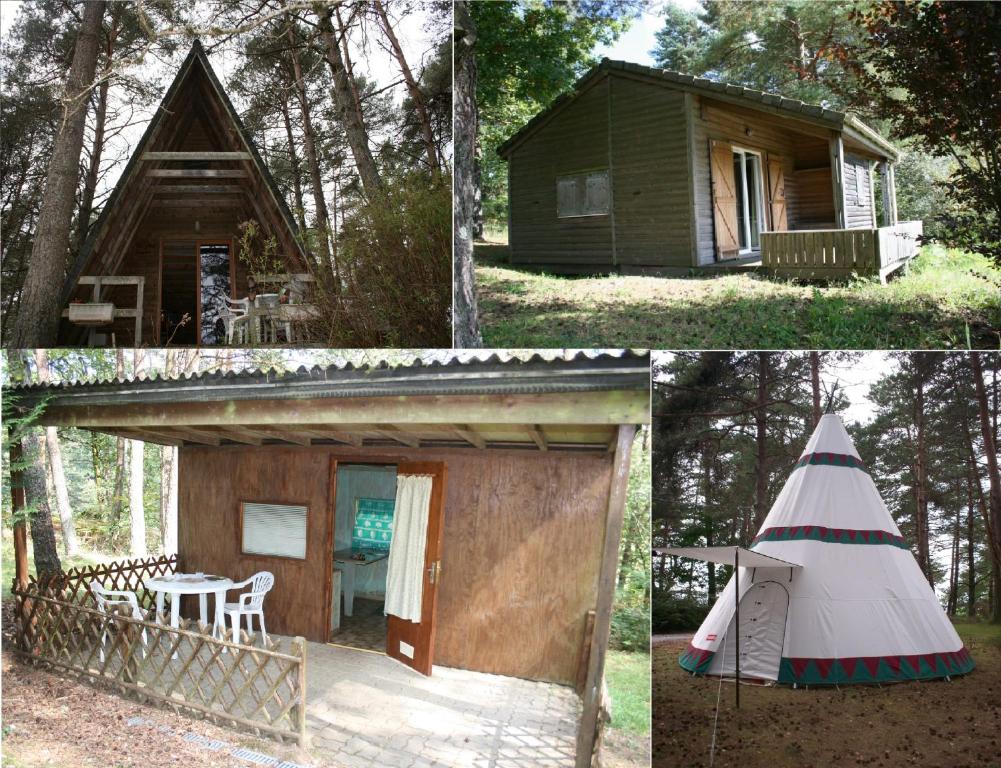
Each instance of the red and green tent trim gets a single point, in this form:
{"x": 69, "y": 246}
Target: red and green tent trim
{"x": 831, "y": 460}
{"x": 830, "y": 535}
{"x": 695, "y": 659}
{"x": 874, "y": 669}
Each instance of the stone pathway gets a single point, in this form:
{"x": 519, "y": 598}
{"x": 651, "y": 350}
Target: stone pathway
{"x": 365, "y": 709}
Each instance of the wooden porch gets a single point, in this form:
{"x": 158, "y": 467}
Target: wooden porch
{"x": 823, "y": 254}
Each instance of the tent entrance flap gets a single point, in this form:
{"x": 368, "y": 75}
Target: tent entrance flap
{"x": 727, "y": 556}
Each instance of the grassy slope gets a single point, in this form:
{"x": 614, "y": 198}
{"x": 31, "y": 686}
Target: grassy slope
{"x": 933, "y": 723}
{"x": 943, "y": 297}
{"x": 627, "y": 737}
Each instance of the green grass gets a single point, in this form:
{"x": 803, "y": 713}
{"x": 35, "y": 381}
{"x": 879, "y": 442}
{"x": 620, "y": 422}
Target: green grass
{"x": 976, "y": 632}
{"x": 7, "y": 560}
{"x": 628, "y": 678}
{"x": 944, "y": 299}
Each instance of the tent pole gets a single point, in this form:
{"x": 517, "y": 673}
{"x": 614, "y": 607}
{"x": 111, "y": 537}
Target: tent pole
{"x": 736, "y": 596}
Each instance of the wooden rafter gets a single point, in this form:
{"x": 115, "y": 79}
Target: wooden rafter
{"x": 470, "y": 435}
{"x": 535, "y": 432}
{"x": 162, "y": 188}
{"x": 395, "y": 433}
{"x": 177, "y": 156}
{"x": 196, "y": 173}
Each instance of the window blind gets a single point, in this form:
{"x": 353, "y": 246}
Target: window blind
{"x": 274, "y": 529}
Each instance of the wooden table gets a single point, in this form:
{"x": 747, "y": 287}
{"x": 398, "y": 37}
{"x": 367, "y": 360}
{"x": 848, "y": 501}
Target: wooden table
{"x": 345, "y": 559}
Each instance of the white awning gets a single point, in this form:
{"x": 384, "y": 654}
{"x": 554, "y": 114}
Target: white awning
{"x": 727, "y": 556}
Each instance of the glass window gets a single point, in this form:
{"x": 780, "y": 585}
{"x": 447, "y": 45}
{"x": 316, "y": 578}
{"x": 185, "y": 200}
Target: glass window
{"x": 582, "y": 194}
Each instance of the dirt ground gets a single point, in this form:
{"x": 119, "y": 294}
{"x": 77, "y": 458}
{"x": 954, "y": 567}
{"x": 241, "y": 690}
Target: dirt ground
{"x": 625, "y": 750}
{"x": 51, "y": 721}
{"x": 929, "y": 724}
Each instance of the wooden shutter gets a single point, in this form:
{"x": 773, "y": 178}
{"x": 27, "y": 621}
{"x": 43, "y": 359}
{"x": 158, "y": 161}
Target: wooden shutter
{"x": 777, "y": 194}
{"x": 724, "y": 200}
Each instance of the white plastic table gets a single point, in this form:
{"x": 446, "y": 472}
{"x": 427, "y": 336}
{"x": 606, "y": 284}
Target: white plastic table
{"x": 200, "y": 584}
{"x": 345, "y": 559}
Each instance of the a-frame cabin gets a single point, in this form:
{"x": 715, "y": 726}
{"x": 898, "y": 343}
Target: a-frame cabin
{"x": 166, "y": 242}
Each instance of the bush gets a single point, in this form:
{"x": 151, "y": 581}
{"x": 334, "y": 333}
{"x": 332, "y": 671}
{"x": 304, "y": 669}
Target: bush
{"x": 674, "y": 614}
{"x": 630, "y": 629}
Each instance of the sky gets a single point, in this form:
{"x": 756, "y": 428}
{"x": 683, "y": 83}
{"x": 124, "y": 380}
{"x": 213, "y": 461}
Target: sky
{"x": 635, "y": 45}
{"x": 370, "y": 59}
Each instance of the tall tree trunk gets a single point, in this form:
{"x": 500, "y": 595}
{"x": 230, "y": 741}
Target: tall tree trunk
{"x": 38, "y": 310}
{"x": 350, "y": 119}
{"x": 971, "y": 549}
{"x": 953, "y": 598}
{"x": 137, "y": 512}
{"x": 118, "y": 488}
{"x": 993, "y": 475}
{"x": 55, "y": 454}
{"x": 815, "y": 385}
{"x": 168, "y": 499}
{"x": 920, "y": 479}
{"x": 761, "y": 442}
{"x": 416, "y": 95}
{"x": 296, "y": 165}
{"x": 94, "y": 166}
{"x": 36, "y": 496}
{"x": 309, "y": 142}
{"x": 465, "y": 316}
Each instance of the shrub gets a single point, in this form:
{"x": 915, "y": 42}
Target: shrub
{"x": 677, "y": 614}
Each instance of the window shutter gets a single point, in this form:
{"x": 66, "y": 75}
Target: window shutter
{"x": 724, "y": 199}
{"x": 566, "y": 196}
{"x": 597, "y": 193}
{"x": 274, "y": 529}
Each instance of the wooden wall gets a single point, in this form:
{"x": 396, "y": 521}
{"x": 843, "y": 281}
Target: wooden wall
{"x": 798, "y": 144}
{"x": 814, "y": 206}
{"x": 521, "y": 552}
{"x": 575, "y": 140}
{"x": 650, "y": 175}
{"x": 858, "y": 204}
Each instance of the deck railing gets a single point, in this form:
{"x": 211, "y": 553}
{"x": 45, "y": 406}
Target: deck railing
{"x": 834, "y": 253}
{"x": 230, "y": 680}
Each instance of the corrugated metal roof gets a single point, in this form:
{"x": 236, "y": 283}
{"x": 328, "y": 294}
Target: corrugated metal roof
{"x": 487, "y": 373}
{"x": 794, "y": 107}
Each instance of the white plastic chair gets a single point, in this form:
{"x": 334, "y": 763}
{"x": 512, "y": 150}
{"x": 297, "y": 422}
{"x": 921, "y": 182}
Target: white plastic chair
{"x": 107, "y": 601}
{"x": 250, "y": 603}
{"x": 233, "y": 311}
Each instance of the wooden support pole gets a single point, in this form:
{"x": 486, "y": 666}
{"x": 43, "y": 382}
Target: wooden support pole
{"x": 838, "y": 179}
{"x": 587, "y": 733}
{"x": 17, "y": 508}
{"x": 736, "y": 597}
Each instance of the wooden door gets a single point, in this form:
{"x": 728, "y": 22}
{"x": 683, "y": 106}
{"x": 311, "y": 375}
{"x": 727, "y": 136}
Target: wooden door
{"x": 777, "y": 194}
{"x": 407, "y": 642}
{"x": 724, "y": 200}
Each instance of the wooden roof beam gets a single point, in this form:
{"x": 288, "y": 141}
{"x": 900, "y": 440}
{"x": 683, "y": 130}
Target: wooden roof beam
{"x": 535, "y": 432}
{"x": 397, "y": 434}
{"x": 470, "y": 435}
{"x": 195, "y": 173}
{"x": 162, "y": 188}
{"x": 189, "y": 434}
{"x": 330, "y": 434}
{"x": 290, "y": 435}
{"x": 184, "y": 156}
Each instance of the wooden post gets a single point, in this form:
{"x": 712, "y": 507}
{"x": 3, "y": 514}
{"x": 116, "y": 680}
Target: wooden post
{"x": 838, "y": 180}
{"x": 587, "y": 732}
{"x": 892, "y": 187}
{"x": 299, "y": 649}
{"x": 736, "y": 626}
{"x": 17, "y": 507}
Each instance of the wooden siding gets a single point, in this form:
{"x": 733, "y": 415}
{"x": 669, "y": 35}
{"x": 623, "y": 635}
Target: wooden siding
{"x": 858, "y": 208}
{"x": 814, "y": 201}
{"x": 724, "y": 122}
{"x": 649, "y": 152}
{"x": 574, "y": 140}
{"x": 520, "y": 560}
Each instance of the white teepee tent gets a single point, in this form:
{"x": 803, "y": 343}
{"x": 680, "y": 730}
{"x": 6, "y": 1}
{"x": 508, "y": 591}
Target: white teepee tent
{"x": 859, "y": 610}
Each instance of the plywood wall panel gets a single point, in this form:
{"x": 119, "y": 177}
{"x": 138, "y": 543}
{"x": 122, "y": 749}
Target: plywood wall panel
{"x": 520, "y": 557}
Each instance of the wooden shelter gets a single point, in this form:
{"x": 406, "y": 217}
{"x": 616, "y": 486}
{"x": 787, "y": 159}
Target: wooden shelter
{"x": 647, "y": 171}
{"x": 529, "y": 459}
{"x": 165, "y": 244}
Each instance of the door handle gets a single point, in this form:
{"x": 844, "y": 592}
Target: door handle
{"x": 434, "y": 570}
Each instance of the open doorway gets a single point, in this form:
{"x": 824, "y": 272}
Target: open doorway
{"x": 196, "y": 276}
{"x": 386, "y": 558}
{"x": 363, "y": 529}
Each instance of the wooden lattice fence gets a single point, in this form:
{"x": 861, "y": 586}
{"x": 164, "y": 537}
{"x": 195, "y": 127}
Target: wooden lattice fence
{"x": 235, "y": 683}
{"x": 128, "y": 575}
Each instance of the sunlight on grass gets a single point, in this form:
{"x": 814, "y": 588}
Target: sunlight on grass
{"x": 81, "y": 559}
{"x": 943, "y": 299}
{"x": 628, "y": 678}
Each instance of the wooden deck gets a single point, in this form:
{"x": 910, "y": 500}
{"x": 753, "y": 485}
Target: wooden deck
{"x": 824, "y": 254}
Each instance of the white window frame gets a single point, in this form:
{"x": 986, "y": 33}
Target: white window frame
{"x": 288, "y": 553}
{"x": 582, "y": 177}
{"x": 758, "y": 194}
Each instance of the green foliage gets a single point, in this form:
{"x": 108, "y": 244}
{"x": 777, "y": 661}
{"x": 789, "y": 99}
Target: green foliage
{"x": 630, "y": 630}
{"x": 673, "y": 614}
{"x": 395, "y": 262}
{"x": 528, "y": 52}
{"x": 944, "y": 299}
{"x": 628, "y": 678}
{"x": 785, "y": 48}
{"x": 932, "y": 68}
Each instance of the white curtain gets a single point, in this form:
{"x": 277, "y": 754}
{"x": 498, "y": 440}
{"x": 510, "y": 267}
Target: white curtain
{"x": 405, "y": 582}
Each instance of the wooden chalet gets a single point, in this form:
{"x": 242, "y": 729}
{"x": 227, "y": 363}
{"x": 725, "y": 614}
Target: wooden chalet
{"x": 530, "y": 460}
{"x": 648, "y": 171}
{"x": 165, "y": 244}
